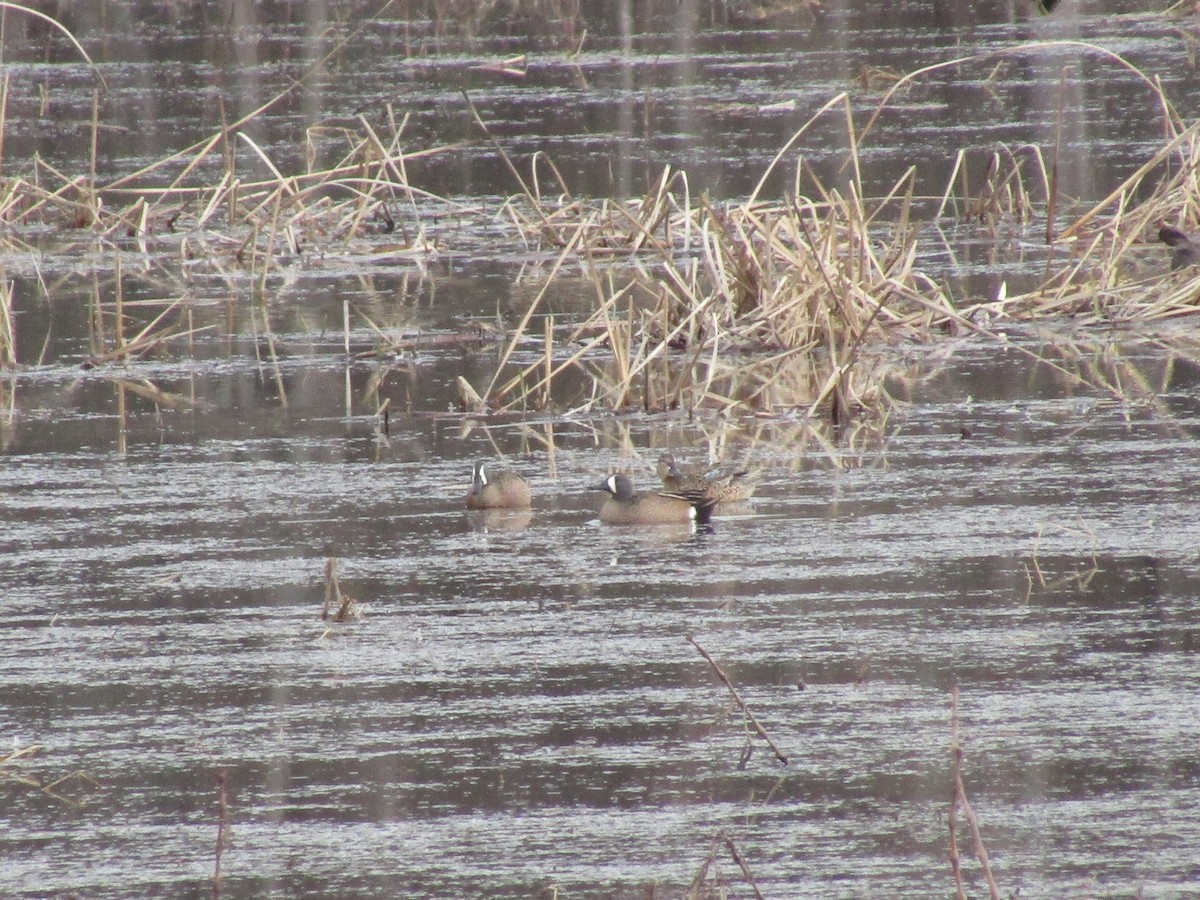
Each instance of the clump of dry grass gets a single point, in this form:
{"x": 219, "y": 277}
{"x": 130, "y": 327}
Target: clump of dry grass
{"x": 226, "y": 197}
{"x": 758, "y": 304}
{"x": 721, "y": 306}
{"x": 1110, "y": 276}
{"x": 214, "y": 207}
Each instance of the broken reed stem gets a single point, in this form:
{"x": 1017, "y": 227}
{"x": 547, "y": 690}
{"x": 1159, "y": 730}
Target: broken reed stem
{"x": 333, "y": 593}
{"x": 8, "y": 332}
{"x": 537, "y": 207}
{"x": 694, "y": 893}
{"x": 10, "y": 774}
{"x": 222, "y": 831}
{"x": 960, "y": 801}
{"x": 54, "y": 23}
{"x": 122, "y": 422}
{"x": 93, "y": 204}
{"x": 1052, "y": 189}
{"x": 737, "y": 858}
{"x": 548, "y": 344}
{"x": 3, "y": 114}
{"x": 1173, "y": 147}
{"x": 119, "y": 324}
{"x": 347, "y": 607}
{"x": 762, "y": 732}
{"x": 783, "y": 151}
{"x": 524, "y": 323}
{"x": 955, "y": 762}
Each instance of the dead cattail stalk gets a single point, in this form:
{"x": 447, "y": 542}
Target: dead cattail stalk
{"x": 222, "y": 831}
{"x": 749, "y": 716}
{"x": 960, "y": 801}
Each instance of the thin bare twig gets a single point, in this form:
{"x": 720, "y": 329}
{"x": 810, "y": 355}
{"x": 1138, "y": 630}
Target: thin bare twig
{"x": 762, "y": 732}
{"x": 737, "y": 858}
{"x": 955, "y": 761}
{"x": 960, "y": 801}
{"x": 222, "y": 829}
{"x": 710, "y": 863}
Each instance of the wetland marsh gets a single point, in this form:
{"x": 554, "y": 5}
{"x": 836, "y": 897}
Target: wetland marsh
{"x": 212, "y": 390}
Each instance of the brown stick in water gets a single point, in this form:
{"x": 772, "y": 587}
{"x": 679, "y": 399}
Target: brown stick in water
{"x": 960, "y": 800}
{"x": 779, "y": 754}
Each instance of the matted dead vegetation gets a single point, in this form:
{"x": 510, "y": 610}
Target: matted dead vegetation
{"x": 206, "y": 198}
{"x": 791, "y": 304}
{"x": 722, "y": 305}
{"x": 795, "y": 302}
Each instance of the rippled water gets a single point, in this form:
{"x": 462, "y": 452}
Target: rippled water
{"x": 519, "y": 710}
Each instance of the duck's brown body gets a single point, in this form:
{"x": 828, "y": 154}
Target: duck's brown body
{"x": 497, "y": 490}
{"x": 721, "y": 487}
{"x": 623, "y": 506}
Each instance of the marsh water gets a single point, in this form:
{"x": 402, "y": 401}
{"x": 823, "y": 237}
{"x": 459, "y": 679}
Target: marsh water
{"x": 520, "y": 710}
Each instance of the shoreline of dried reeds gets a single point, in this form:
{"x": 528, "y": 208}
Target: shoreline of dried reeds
{"x": 750, "y": 305}
{"x": 739, "y": 292}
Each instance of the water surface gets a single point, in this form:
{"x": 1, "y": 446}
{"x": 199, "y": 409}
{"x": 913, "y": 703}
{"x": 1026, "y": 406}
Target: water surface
{"x": 519, "y": 710}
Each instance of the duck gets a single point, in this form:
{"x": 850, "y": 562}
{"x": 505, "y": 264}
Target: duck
{"x": 624, "y": 506}
{"x": 502, "y": 489}
{"x": 723, "y": 487}
{"x": 1185, "y": 247}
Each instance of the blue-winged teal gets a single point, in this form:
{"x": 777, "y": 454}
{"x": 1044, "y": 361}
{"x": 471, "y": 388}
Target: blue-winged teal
{"x": 497, "y": 490}
{"x": 624, "y": 507}
{"x": 722, "y": 487}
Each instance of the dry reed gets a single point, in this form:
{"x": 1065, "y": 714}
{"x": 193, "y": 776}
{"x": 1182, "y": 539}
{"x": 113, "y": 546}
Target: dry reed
{"x": 758, "y": 305}
{"x": 960, "y": 802}
{"x": 752, "y": 722}
{"x": 338, "y": 607}
{"x": 754, "y": 294}
{"x": 12, "y": 771}
{"x": 222, "y": 831}
{"x": 791, "y": 304}
{"x": 709, "y": 881}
